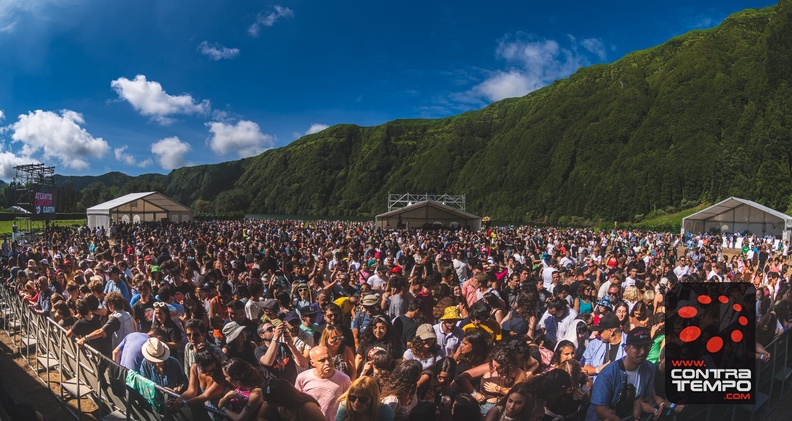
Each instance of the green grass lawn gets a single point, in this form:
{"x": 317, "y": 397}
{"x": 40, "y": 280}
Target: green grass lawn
{"x": 670, "y": 219}
{"x": 5, "y": 226}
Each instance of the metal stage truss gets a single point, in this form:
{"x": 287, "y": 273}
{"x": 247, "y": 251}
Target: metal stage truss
{"x": 400, "y": 200}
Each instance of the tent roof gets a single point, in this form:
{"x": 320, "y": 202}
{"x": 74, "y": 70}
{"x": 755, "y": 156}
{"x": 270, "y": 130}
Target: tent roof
{"x": 156, "y": 199}
{"x": 729, "y": 204}
{"x": 431, "y": 203}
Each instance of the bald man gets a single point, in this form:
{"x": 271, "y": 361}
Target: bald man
{"x": 324, "y": 382}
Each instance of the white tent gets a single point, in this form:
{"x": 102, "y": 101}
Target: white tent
{"x": 739, "y": 215}
{"x": 135, "y": 208}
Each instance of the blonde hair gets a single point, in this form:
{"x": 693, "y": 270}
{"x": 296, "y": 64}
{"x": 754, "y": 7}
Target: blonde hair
{"x": 329, "y": 329}
{"x": 632, "y": 293}
{"x": 363, "y": 386}
{"x": 649, "y": 295}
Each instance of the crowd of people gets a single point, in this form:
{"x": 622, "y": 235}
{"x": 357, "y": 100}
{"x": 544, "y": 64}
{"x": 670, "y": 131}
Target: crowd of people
{"x": 320, "y": 320}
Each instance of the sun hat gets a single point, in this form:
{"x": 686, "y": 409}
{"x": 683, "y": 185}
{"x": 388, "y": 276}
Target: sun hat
{"x": 232, "y": 330}
{"x": 451, "y": 313}
{"x": 155, "y": 351}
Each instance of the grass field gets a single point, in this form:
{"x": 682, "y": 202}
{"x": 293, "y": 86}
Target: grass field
{"x": 670, "y": 219}
{"x": 5, "y": 226}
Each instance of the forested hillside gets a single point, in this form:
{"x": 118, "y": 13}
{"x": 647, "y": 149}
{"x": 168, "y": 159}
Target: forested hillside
{"x": 704, "y": 116}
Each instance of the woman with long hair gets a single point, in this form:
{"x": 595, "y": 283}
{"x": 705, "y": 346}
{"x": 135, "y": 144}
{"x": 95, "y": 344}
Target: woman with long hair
{"x": 565, "y": 350}
{"x": 399, "y": 392}
{"x": 361, "y": 402}
{"x": 162, "y": 319}
{"x": 342, "y": 356}
{"x": 435, "y": 382}
{"x": 639, "y": 316}
{"x": 194, "y": 309}
{"x": 621, "y": 310}
{"x": 497, "y": 376}
{"x": 472, "y": 351}
{"x": 377, "y": 335}
{"x": 283, "y": 402}
{"x": 583, "y": 303}
{"x": 244, "y": 401}
{"x": 571, "y": 405}
{"x": 517, "y": 405}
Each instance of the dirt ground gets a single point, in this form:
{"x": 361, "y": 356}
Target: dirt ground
{"x": 28, "y": 388}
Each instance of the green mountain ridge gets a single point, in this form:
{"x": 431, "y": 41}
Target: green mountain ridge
{"x": 703, "y": 116}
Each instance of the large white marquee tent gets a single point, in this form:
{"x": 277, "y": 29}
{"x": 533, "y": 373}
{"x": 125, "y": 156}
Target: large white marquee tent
{"x": 739, "y": 215}
{"x": 136, "y": 208}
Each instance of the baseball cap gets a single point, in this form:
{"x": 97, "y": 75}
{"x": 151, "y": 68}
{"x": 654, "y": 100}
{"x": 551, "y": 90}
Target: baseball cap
{"x": 271, "y": 304}
{"x": 369, "y": 300}
{"x": 608, "y": 321}
{"x": 425, "y": 331}
{"x": 639, "y": 336}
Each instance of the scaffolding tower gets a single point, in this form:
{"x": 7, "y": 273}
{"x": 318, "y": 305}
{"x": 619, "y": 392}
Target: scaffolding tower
{"x": 400, "y": 200}
{"x": 28, "y": 180}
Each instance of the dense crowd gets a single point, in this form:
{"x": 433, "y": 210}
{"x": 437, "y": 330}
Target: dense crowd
{"x": 298, "y": 320}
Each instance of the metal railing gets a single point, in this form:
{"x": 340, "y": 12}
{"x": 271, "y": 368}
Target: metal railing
{"x": 83, "y": 372}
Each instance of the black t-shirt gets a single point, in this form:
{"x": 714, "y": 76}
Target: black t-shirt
{"x": 184, "y": 288}
{"x": 405, "y": 328}
{"x": 144, "y": 314}
{"x": 283, "y": 367}
{"x": 172, "y": 332}
{"x": 83, "y": 327}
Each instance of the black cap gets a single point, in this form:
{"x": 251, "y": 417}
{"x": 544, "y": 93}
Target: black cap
{"x": 608, "y": 321}
{"x": 307, "y": 311}
{"x": 639, "y": 336}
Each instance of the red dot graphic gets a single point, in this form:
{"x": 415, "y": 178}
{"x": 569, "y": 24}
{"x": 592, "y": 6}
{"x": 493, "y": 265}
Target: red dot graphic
{"x": 703, "y": 299}
{"x": 723, "y": 299}
{"x": 743, "y": 320}
{"x": 736, "y": 336}
{"x": 714, "y": 344}
{"x": 690, "y": 334}
{"x": 737, "y": 308}
{"x": 687, "y": 312}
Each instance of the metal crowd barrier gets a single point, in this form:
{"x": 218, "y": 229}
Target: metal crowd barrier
{"x": 83, "y": 372}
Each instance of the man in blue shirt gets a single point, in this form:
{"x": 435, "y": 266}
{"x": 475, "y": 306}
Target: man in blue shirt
{"x": 115, "y": 283}
{"x": 607, "y": 348}
{"x": 624, "y": 389}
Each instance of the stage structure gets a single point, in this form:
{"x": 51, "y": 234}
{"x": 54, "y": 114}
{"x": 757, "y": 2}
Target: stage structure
{"x": 34, "y": 191}
{"x": 401, "y": 200}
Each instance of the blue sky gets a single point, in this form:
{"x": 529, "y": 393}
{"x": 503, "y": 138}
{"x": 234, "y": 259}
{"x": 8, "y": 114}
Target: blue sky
{"x": 145, "y": 86}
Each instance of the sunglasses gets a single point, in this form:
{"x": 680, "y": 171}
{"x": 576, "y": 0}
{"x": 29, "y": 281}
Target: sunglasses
{"x": 269, "y": 329}
{"x": 302, "y": 289}
{"x": 362, "y": 399}
{"x": 160, "y": 305}
{"x": 336, "y": 339}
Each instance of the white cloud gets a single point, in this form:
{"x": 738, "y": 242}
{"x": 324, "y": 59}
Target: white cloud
{"x": 532, "y": 64}
{"x": 59, "y": 137}
{"x": 244, "y": 137}
{"x": 170, "y": 152}
{"x": 121, "y": 155}
{"x": 148, "y": 98}
{"x": 9, "y": 160}
{"x": 217, "y": 51}
{"x": 594, "y": 46}
{"x": 2, "y": 115}
{"x": 316, "y": 128}
{"x": 269, "y": 19}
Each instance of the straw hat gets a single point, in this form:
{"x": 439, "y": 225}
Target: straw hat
{"x": 155, "y": 351}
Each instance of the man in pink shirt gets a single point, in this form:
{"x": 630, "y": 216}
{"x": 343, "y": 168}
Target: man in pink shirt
{"x": 470, "y": 289}
{"x": 324, "y": 382}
